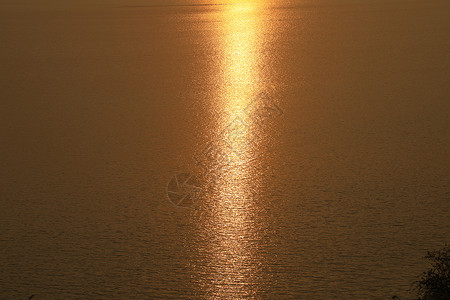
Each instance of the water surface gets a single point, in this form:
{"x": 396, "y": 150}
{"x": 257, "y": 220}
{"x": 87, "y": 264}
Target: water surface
{"x": 335, "y": 194}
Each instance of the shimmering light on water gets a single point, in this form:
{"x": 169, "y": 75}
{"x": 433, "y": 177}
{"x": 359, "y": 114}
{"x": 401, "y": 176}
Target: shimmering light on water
{"x": 103, "y": 101}
{"x": 233, "y": 244}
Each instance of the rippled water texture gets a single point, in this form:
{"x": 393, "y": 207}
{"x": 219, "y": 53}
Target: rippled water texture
{"x": 222, "y": 149}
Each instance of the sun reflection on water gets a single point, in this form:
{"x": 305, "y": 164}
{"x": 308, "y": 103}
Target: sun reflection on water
{"x": 231, "y": 225}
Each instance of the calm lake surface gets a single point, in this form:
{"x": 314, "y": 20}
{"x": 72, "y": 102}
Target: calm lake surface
{"x": 316, "y": 135}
